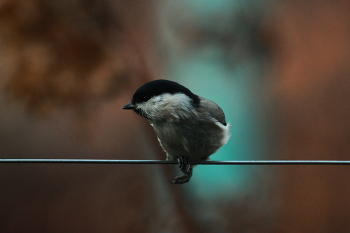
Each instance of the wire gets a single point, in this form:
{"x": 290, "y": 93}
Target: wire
{"x": 238, "y": 162}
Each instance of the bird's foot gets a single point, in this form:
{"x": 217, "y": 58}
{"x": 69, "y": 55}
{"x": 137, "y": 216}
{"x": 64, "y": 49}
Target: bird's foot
{"x": 180, "y": 179}
{"x": 186, "y": 168}
{"x": 184, "y": 165}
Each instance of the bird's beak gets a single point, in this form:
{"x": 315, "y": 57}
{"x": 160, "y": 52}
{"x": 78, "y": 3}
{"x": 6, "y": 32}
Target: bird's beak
{"x": 129, "y": 106}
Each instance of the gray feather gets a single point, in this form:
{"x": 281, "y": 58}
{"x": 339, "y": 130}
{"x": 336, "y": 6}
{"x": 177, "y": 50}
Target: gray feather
{"x": 193, "y": 133}
{"x": 212, "y": 109}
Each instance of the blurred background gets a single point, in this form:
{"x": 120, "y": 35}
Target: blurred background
{"x": 279, "y": 69}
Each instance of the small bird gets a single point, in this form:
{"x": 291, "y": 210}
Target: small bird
{"x": 189, "y": 127}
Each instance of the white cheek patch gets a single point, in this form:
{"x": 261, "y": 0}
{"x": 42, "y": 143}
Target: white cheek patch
{"x": 150, "y": 108}
{"x": 174, "y": 106}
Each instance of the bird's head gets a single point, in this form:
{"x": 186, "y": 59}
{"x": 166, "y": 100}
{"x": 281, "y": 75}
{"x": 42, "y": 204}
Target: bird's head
{"x": 162, "y": 99}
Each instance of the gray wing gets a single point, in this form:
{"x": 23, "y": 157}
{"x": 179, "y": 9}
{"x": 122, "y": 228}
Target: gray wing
{"x": 210, "y": 108}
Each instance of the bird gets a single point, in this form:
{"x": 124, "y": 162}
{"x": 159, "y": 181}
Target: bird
{"x": 189, "y": 127}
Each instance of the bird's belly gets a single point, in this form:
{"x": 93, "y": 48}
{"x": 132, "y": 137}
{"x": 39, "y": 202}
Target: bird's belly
{"x": 196, "y": 142}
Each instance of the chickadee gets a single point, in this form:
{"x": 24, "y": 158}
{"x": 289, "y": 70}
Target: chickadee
{"x": 188, "y": 127}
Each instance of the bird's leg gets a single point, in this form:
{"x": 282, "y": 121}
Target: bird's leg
{"x": 186, "y": 168}
{"x": 184, "y": 165}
